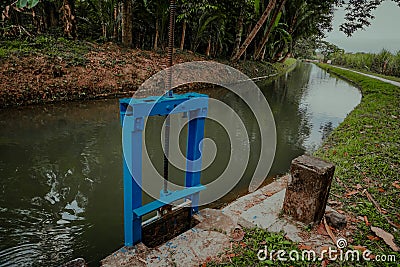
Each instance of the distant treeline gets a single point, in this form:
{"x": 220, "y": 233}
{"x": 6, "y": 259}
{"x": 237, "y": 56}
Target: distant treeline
{"x": 384, "y": 62}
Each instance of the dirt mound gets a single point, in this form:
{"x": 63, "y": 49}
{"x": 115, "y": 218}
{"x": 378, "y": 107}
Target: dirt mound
{"x": 106, "y": 71}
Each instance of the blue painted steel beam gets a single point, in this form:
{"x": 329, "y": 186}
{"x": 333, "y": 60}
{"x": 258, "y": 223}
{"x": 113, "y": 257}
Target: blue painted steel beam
{"x": 152, "y": 106}
{"x": 174, "y": 196}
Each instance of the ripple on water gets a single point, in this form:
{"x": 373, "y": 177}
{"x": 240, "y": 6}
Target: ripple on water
{"x": 20, "y": 255}
{"x": 54, "y": 244}
{"x": 39, "y": 239}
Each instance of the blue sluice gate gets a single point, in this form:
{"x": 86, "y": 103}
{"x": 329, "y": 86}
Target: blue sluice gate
{"x": 134, "y": 112}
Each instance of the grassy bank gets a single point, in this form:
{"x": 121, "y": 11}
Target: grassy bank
{"x": 365, "y": 149}
{"x": 47, "y": 69}
{"x": 392, "y": 78}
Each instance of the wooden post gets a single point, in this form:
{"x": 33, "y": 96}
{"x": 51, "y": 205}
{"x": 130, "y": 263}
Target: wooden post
{"x": 308, "y": 189}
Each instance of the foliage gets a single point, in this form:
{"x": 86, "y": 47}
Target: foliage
{"x": 328, "y": 50}
{"x": 305, "y": 48}
{"x": 365, "y": 149}
{"x": 359, "y": 14}
{"x": 27, "y": 3}
{"x": 212, "y": 26}
{"x": 304, "y": 20}
{"x": 384, "y": 62}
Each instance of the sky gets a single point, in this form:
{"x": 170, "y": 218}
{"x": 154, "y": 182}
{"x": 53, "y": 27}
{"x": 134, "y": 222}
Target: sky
{"x": 384, "y": 31}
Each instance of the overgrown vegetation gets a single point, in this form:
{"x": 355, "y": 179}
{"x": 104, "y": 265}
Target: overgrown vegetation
{"x": 365, "y": 149}
{"x": 263, "y": 30}
{"x": 384, "y": 63}
{"x": 270, "y": 30}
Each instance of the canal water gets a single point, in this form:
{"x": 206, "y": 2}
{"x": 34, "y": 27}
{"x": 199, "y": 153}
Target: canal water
{"x": 61, "y": 191}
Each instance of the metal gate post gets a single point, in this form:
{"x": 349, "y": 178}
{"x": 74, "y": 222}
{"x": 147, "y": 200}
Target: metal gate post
{"x": 132, "y": 182}
{"x": 193, "y": 154}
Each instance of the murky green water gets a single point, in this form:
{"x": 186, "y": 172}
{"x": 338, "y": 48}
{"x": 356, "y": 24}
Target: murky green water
{"x": 61, "y": 170}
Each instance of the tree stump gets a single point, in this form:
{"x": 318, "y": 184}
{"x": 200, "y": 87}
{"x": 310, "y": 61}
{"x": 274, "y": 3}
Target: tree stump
{"x": 308, "y": 189}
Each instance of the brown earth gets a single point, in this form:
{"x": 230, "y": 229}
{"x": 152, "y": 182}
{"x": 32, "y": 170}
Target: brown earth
{"x": 109, "y": 71}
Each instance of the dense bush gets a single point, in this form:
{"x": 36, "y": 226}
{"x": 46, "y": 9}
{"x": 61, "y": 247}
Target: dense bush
{"x": 384, "y": 62}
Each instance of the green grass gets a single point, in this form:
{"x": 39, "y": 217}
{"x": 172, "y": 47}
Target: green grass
{"x": 284, "y": 67}
{"x": 365, "y": 149}
{"x": 72, "y": 52}
{"x": 244, "y": 253}
{"x": 392, "y": 78}
{"x": 290, "y": 61}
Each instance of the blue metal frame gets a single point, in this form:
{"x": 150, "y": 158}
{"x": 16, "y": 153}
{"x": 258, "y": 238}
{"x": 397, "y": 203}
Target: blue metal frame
{"x": 133, "y": 114}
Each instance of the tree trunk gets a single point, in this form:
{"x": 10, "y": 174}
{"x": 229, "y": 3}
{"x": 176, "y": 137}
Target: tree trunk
{"x": 255, "y": 30}
{"x": 183, "y": 35}
{"x": 267, "y": 33}
{"x": 282, "y": 60}
{"x": 208, "y": 47}
{"x": 263, "y": 53}
{"x": 115, "y": 23}
{"x": 155, "y": 46}
{"x": 51, "y": 14}
{"x": 239, "y": 32}
{"x": 104, "y": 30}
{"x": 308, "y": 189}
{"x": 69, "y": 18}
{"x": 127, "y": 36}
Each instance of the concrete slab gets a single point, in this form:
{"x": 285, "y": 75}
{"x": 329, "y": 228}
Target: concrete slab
{"x": 189, "y": 249}
{"x": 246, "y": 202}
{"x": 215, "y": 220}
{"x": 265, "y": 213}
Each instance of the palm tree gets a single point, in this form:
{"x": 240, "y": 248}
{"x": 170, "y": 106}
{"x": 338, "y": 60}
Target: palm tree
{"x": 272, "y": 24}
{"x": 255, "y": 30}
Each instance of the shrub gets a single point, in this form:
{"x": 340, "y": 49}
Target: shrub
{"x": 383, "y": 63}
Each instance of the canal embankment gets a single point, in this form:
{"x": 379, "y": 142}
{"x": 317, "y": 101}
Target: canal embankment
{"x": 365, "y": 149}
{"x": 53, "y": 70}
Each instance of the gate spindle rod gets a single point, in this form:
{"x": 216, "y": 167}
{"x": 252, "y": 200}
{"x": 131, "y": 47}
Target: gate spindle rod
{"x": 169, "y": 91}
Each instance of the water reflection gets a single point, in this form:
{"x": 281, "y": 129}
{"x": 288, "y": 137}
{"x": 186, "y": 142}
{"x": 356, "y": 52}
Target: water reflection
{"x": 61, "y": 171}
{"x": 326, "y": 101}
